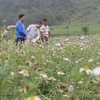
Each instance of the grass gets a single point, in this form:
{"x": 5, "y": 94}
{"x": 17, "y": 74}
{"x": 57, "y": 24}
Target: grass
{"x": 86, "y": 14}
{"x": 75, "y": 28}
{"x": 67, "y": 57}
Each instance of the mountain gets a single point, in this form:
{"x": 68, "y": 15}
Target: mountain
{"x": 56, "y": 11}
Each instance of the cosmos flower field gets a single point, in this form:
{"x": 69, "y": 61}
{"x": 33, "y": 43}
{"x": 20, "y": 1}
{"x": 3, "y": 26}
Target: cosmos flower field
{"x": 65, "y": 68}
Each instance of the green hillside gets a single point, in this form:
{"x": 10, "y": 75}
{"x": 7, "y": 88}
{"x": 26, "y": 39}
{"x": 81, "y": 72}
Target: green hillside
{"x": 61, "y": 13}
{"x": 87, "y": 13}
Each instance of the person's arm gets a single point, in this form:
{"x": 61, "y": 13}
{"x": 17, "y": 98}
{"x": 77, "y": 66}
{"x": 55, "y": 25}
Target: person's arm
{"x": 38, "y": 36}
{"x": 49, "y": 32}
{"x": 28, "y": 29}
{"x": 42, "y": 34}
{"x": 20, "y": 30}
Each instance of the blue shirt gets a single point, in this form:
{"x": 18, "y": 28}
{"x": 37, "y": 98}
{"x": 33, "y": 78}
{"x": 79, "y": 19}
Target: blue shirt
{"x": 20, "y": 30}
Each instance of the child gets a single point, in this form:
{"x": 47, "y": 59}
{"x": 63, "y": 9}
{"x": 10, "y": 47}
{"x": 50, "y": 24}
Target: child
{"x": 45, "y": 31}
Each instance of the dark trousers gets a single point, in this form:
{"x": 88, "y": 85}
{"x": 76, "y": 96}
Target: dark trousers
{"x": 45, "y": 38}
{"x": 20, "y": 41}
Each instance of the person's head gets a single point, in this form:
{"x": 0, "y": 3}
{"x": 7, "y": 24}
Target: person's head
{"x": 21, "y": 17}
{"x": 39, "y": 24}
{"x": 45, "y": 22}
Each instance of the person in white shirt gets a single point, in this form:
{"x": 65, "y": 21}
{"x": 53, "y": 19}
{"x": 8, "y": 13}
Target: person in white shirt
{"x": 33, "y": 32}
{"x": 45, "y": 31}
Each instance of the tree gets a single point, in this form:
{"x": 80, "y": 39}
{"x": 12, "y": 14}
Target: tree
{"x": 85, "y": 29}
{"x": 54, "y": 10}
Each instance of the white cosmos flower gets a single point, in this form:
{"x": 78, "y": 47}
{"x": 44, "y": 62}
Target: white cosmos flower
{"x": 82, "y": 37}
{"x": 5, "y": 32}
{"x": 60, "y": 73}
{"x": 96, "y": 71}
{"x": 79, "y": 60}
{"x": 76, "y": 61}
{"x": 33, "y": 41}
{"x": 12, "y": 73}
{"x": 67, "y": 39}
{"x": 70, "y": 88}
{"x": 23, "y": 90}
{"x": 86, "y": 69}
{"x": 1, "y": 35}
{"x": 66, "y": 59}
{"x": 24, "y": 72}
{"x": 52, "y": 78}
{"x": 44, "y": 75}
{"x": 33, "y": 98}
{"x": 42, "y": 45}
{"x": 90, "y": 60}
{"x": 82, "y": 49}
{"x": 80, "y": 82}
{"x": 95, "y": 81}
{"x": 58, "y": 44}
{"x": 99, "y": 53}
{"x": 65, "y": 95}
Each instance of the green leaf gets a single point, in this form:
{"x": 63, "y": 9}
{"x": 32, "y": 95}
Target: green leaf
{"x": 3, "y": 71}
{"x": 31, "y": 92}
{"x": 75, "y": 73}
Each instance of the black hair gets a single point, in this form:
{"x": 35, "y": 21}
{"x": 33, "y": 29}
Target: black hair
{"x": 45, "y": 20}
{"x": 39, "y": 22}
{"x": 21, "y": 16}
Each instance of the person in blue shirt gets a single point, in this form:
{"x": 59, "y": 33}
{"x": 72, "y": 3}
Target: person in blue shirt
{"x": 20, "y": 29}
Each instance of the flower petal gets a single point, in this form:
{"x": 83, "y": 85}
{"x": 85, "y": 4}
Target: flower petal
{"x": 81, "y": 70}
{"x": 96, "y": 71}
{"x": 88, "y": 71}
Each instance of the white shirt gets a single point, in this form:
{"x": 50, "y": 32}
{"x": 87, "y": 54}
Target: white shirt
{"x": 45, "y": 30}
{"x": 33, "y": 32}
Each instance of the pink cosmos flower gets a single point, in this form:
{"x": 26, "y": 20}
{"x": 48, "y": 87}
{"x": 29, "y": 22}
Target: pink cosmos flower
{"x": 33, "y": 57}
{"x": 37, "y": 69}
{"x": 4, "y": 49}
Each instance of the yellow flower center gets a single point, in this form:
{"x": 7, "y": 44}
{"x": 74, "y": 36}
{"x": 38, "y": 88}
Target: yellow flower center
{"x": 22, "y": 89}
{"x": 86, "y": 68}
{"x": 25, "y": 71}
{"x": 32, "y": 98}
{"x": 95, "y": 82}
{"x": 27, "y": 62}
